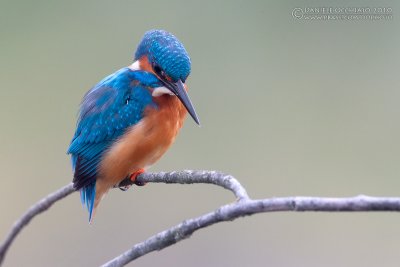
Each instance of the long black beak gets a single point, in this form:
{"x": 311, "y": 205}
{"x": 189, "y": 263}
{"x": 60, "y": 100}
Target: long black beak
{"x": 179, "y": 90}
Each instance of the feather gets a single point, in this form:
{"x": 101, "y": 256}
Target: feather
{"x": 88, "y": 194}
{"x": 106, "y": 112}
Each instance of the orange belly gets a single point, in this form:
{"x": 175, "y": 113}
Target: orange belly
{"x": 143, "y": 144}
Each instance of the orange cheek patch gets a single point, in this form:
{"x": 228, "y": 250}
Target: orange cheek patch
{"x": 145, "y": 65}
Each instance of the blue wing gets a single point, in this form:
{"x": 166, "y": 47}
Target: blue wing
{"x": 107, "y": 110}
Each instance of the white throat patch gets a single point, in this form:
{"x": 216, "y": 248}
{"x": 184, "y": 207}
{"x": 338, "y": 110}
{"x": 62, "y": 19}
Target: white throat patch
{"x": 159, "y": 91}
{"x": 134, "y": 66}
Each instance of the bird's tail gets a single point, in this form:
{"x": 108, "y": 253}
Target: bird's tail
{"x": 88, "y": 196}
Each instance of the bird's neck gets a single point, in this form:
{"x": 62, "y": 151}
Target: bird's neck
{"x": 170, "y": 109}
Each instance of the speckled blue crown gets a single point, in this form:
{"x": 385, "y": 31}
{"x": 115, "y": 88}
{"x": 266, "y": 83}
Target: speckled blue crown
{"x": 164, "y": 49}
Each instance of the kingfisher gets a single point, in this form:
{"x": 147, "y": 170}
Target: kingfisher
{"x": 130, "y": 118}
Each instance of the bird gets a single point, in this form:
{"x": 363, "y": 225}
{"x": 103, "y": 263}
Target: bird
{"x": 130, "y": 118}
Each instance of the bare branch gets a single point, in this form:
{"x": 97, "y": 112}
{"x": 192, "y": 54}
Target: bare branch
{"x": 181, "y": 177}
{"x": 195, "y": 177}
{"x": 248, "y": 207}
{"x": 242, "y": 207}
{"x": 34, "y": 210}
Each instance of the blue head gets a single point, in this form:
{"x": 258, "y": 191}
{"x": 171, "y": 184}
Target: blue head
{"x": 166, "y": 52}
{"x": 163, "y": 54}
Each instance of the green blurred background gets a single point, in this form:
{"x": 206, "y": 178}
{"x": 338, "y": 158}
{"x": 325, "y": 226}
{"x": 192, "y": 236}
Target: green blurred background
{"x": 288, "y": 106}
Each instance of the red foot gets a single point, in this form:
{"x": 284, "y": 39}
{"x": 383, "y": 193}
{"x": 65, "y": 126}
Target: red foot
{"x": 134, "y": 175}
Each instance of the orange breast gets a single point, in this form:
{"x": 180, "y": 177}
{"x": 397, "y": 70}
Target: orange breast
{"x": 144, "y": 143}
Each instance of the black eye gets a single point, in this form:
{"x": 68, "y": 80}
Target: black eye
{"x": 157, "y": 69}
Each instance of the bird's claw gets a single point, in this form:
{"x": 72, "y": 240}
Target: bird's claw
{"x": 129, "y": 180}
{"x": 133, "y": 177}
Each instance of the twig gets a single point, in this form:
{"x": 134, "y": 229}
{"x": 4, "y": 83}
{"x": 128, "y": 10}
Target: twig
{"x": 193, "y": 177}
{"x": 248, "y": 207}
{"x": 34, "y": 210}
{"x": 242, "y": 207}
{"x": 181, "y": 177}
